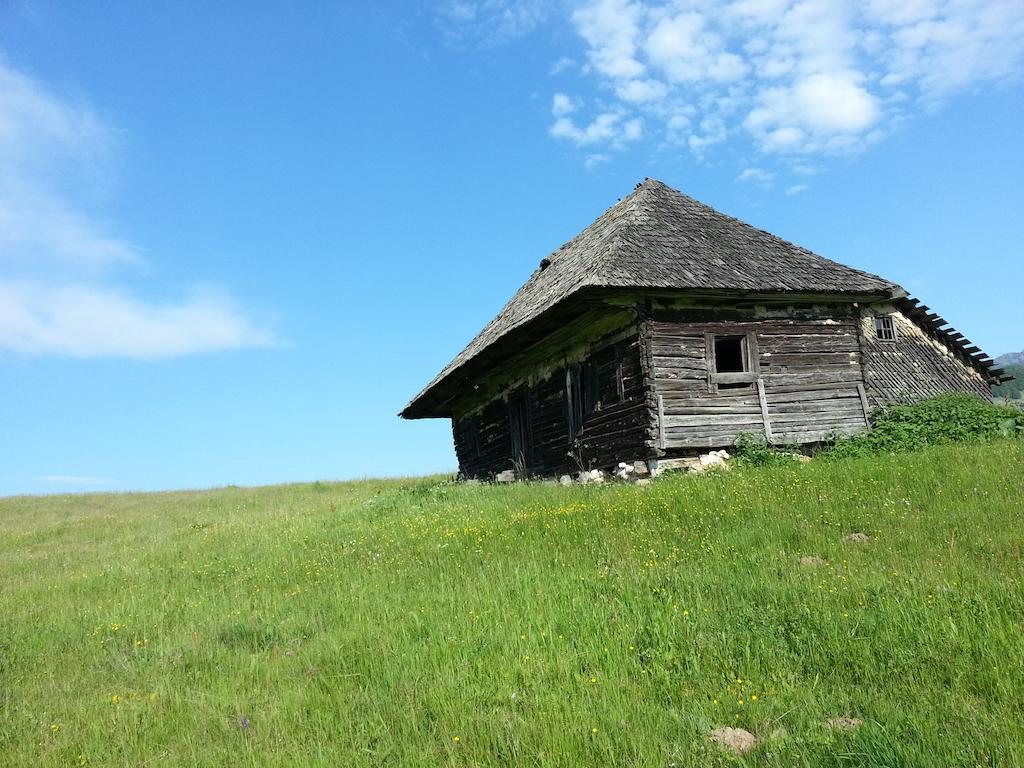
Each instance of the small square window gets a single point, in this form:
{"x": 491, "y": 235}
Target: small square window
{"x": 730, "y": 354}
{"x": 732, "y": 357}
{"x": 885, "y": 328}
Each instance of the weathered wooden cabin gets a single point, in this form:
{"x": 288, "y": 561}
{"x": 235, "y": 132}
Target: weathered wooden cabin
{"x": 666, "y": 327}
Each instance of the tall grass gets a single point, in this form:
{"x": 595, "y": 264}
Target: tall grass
{"x": 426, "y": 623}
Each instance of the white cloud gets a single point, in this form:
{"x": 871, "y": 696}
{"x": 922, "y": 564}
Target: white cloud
{"x": 688, "y": 52}
{"x": 835, "y": 102}
{"x": 783, "y": 140}
{"x": 492, "y": 22}
{"x": 640, "y": 91}
{"x": 38, "y": 226}
{"x": 902, "y": 12}
{"x": 795, "y": 76}
{"x": 796, "y": 189}
{"x": 632, "y": 129}
{"x": 756, "y": 174}
{"x": 47, "y": 144}
{"x": 814, "y": 36}
{"x": 611, "y": 28}
{"x": 712, "y": 131}
{"x": 608, "y": 127}
{"x": 944, "y": 47}
{"x": 562, "y": 65}
{"x": 83, "y": 321}
{"x": 562, "y": 105}
{"x": 58, "y": 260}
{"x": 813, "y": 112}
{"x": 677, "y": 127}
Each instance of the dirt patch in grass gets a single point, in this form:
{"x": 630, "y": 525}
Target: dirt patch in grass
{"x": 843, "y": 723}
{"x": 857, "y": 538}
{"x": 736, "y": 740}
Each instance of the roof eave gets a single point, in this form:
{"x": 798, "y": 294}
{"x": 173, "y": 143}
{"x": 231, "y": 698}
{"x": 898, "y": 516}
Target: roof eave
{"x": 429, "y": 404}
{"x": 956, "y": 342}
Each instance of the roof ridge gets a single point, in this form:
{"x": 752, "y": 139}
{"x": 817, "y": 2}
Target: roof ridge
{"x": 608, "y": 257}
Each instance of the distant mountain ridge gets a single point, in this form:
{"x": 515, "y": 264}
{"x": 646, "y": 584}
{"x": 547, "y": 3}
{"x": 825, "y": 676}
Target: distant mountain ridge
{"x": 1011, "y": 358}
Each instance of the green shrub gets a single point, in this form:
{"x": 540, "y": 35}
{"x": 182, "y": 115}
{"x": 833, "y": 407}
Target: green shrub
{"x": 954, "y": 418}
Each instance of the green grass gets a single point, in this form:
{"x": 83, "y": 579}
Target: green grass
{"x": 425, "y": 623}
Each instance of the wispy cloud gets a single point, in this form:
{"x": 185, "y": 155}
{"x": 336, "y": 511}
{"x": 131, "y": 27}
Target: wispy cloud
{"x": 564, "y": 64}
{"x": 793, "y": 77}
{"x": 756, "y": 174}
{"x": 46, "y": 147}
{"x": 609, "y": 127}
{"x": 492, "y": 22}
{"x": 63, "y": 270}
{"x": 85, "y": 321}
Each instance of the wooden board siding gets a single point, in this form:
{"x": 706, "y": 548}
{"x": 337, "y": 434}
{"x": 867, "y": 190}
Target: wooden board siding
{"x": 483, "y": 442}
{"x": 808, "y": 368}
{"x": 914, "y": 366}
{"x": 615, "y": 429}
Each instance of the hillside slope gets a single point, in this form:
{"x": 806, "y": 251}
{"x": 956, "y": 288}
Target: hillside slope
{"x": 424, "y": 623}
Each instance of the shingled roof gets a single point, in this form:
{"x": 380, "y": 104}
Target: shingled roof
{"x": 658, "y": 238}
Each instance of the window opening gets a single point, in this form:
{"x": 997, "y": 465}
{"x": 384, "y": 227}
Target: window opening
{"x": 885, "y": 328}
{"x": 730, "y": 354}
{"x": 731, "y": 357}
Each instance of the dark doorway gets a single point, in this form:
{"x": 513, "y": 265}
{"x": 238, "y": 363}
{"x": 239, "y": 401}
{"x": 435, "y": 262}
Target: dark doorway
{"x": 519, "y": 423}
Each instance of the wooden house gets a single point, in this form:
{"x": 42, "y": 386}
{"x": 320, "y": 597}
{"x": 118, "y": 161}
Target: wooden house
{"x": 666, "y": 327}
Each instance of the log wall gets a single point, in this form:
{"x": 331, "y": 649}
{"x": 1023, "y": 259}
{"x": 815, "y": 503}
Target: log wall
{"x": 914, "y": 366}
{"x": 805, "y": 379}
{"x": 615, "y": 426}
{"x": 814, "y": 371}
{"x": 618, "y": 428}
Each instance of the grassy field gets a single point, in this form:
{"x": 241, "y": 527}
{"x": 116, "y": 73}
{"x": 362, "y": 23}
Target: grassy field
{"x": 426, "y": 623}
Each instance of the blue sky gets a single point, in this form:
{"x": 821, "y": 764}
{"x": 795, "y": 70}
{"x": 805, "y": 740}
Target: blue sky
{"x": 236, "y": 238}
